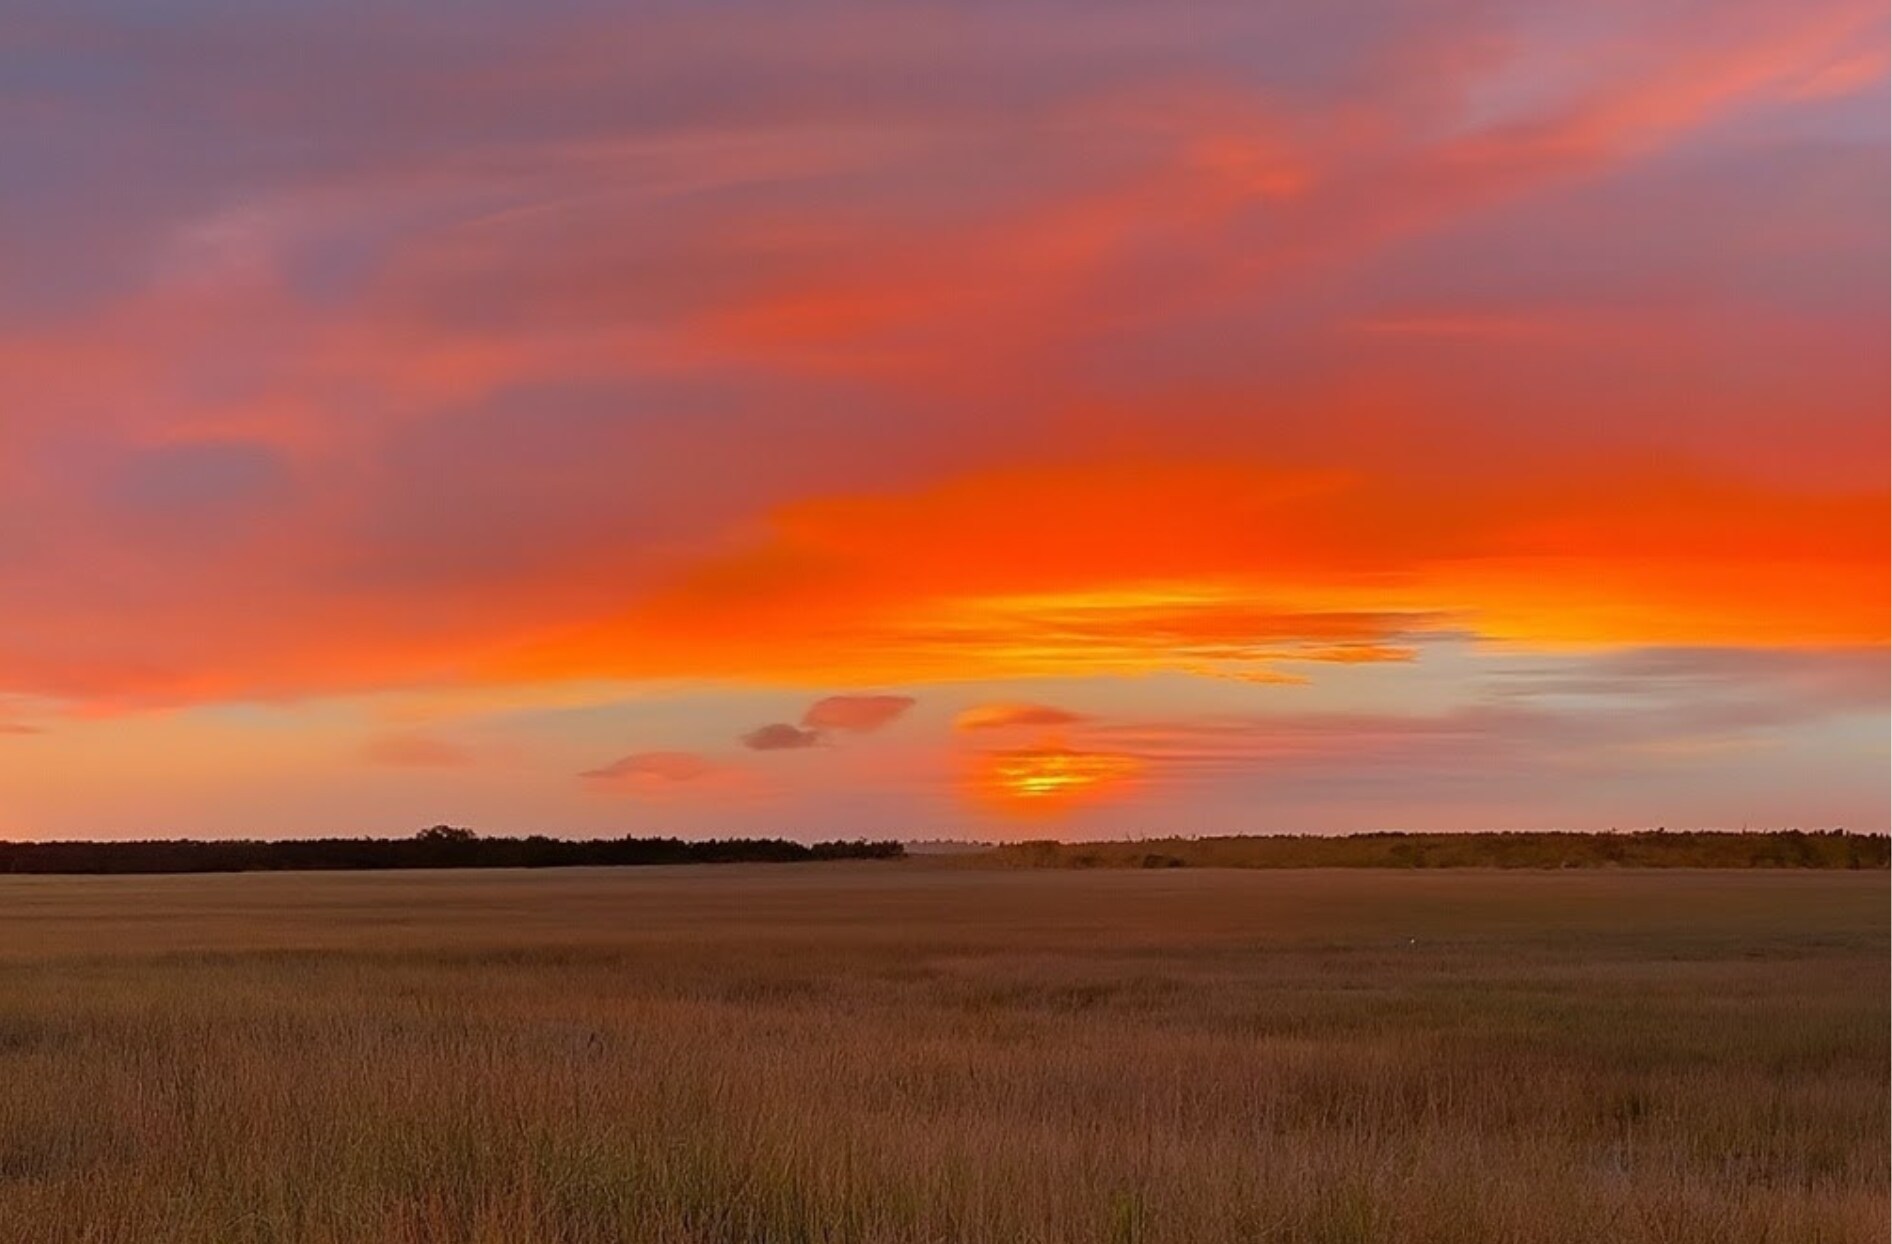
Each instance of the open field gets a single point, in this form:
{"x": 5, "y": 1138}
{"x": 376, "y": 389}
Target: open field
{"x": 898, "y": 1052}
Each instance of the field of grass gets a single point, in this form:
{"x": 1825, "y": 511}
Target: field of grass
{"x": 899, "y": 1052}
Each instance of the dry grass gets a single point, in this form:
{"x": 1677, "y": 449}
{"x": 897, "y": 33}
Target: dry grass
{"x": 900, "y": 1053}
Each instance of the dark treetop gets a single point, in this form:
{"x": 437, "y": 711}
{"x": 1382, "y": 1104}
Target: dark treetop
{"x": 443, "y": 846}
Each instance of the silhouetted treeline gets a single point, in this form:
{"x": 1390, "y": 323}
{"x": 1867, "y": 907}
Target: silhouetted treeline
{"x": 443, "y": 846}
{"x": 1644, "y": 849}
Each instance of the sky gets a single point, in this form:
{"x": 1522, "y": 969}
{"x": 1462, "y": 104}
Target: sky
{"x": 942, "y": 420}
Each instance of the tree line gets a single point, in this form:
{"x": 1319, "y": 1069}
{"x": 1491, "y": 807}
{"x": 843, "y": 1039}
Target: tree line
{"x": 442, "y": 846}
{"x": 1791, "y": 848}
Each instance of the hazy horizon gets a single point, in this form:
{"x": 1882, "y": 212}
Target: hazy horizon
{"x": 921, "y": 844}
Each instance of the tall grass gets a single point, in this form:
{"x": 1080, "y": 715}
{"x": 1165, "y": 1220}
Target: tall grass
{"x": 894, "y": 1053}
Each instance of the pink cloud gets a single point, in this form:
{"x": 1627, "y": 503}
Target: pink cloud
{"x": 859, "y": 714}
{"x": 780, "y": 736}
{"x": 641, "y": 768}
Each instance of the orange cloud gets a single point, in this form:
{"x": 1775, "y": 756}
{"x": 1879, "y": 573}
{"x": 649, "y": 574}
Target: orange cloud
{"x": 1004, "y": 716}
{"x": 1263, "y": 572}
{"x": 1231, "y": 570}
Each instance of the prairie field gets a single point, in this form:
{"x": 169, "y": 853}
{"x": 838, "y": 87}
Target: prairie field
{"x": 898, "y": 1051}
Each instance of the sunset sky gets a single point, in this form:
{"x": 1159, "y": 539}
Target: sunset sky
{"x": 981, "y": 420}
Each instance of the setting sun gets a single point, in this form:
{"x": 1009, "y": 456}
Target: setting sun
{"x": 1051, "y": 777}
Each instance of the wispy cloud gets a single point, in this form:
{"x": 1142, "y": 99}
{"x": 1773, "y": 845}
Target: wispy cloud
{"x": 644, "y": 768}
{"x": 417, "y": 751}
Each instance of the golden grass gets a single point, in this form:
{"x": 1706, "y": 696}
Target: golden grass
{"x": 893, "y": 1052}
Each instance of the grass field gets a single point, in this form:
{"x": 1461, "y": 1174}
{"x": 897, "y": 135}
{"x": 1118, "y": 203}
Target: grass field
{"x": 897, "y": 1052}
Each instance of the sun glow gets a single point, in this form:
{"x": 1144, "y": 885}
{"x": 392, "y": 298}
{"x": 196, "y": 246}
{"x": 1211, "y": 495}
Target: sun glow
{"x": 1051, "y": 777}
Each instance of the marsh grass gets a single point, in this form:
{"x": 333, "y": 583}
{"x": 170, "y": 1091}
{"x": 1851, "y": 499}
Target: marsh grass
{"x": 894, "y": 1053}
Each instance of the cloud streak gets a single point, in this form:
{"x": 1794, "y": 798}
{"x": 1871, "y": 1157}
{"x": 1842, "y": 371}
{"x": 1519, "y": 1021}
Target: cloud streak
{"x": 1007, "y": 716}
{"x": 416, "y": 751}
{"x": 653, "y": 769}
